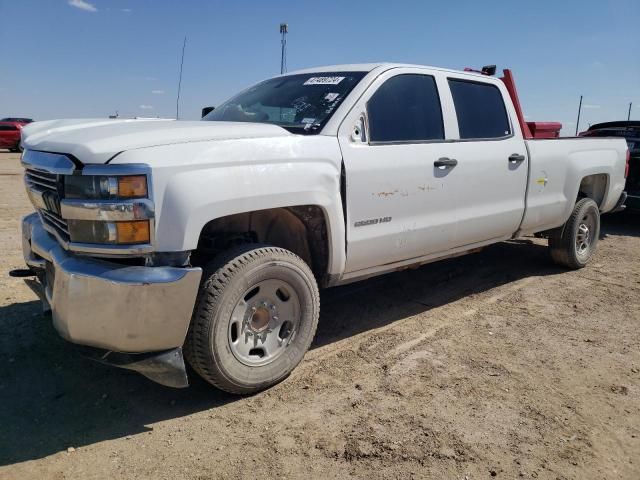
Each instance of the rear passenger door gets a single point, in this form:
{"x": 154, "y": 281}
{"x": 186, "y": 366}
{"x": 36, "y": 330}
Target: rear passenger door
{"x": 397, "y": 202}
{"x": 491, "y": 174}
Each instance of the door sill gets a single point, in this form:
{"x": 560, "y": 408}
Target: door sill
{"x": 415, "y": 262}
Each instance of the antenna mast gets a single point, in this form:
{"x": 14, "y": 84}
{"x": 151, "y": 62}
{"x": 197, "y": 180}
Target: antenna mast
{"x": 184, "y": 44}
{"x": 579, "y": 110}
{"x": 284, "y": 29}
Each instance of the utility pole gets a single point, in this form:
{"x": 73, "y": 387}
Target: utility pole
{"x": 284, "y": 29}
{"x": 629, "y": 113}
{"x": 578, "y": 121}
{"x": 184, "y": 44}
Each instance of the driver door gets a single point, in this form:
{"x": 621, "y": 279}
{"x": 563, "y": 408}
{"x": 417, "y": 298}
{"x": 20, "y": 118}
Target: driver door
{"x": 397, "y": 164}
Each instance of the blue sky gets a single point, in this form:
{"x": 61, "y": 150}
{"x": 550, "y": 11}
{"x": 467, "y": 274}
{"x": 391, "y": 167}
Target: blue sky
{"x": 88, "y": 58}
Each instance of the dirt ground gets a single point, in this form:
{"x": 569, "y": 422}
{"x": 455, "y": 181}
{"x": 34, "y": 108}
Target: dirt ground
{"x": 497, "y": 364}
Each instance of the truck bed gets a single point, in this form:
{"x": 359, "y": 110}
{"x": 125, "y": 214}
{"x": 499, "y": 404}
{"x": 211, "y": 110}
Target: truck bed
{"x": 558, "y": 170}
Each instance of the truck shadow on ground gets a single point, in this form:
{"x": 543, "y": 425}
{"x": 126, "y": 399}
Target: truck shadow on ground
{"x": 52, "y": 399}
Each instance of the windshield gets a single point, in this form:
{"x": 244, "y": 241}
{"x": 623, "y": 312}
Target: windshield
{"x": 300, "y": 103}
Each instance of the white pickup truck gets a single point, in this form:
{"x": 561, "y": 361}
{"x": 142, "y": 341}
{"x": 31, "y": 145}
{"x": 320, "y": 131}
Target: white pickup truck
{"x": 212, "y": 237}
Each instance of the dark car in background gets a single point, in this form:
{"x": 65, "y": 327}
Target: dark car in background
{"x": 630, "y": 131}
{"x": 10, "y": 135}
{"x": 22, "y": 120}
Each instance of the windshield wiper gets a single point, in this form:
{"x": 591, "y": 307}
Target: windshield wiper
{"x": 301, "y": 129}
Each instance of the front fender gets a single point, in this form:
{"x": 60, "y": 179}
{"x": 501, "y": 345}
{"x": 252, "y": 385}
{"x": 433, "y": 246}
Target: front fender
{"x": 221, "y": 178}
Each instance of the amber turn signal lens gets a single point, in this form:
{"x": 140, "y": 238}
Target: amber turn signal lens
{"x": 132, "y": 186}
{"x": 133, "y": 232}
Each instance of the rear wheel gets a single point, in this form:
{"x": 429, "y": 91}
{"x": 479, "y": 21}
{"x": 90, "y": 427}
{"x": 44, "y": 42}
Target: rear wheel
{"x": 573, "y": 245}
{"x": 255, "y": 317}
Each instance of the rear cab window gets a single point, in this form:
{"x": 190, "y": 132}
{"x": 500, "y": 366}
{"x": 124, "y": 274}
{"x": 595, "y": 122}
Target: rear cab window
{"x": 480, "y": 110}
{"x": 8, "y": 128}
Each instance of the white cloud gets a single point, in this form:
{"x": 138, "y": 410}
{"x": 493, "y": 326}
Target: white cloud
{"x": 146, "y": 107}
{"x": 157, "y": 92}
{"x": 589, "y": 105}
{"x": 125, "y": 10}
{"x": 82, "y": 5}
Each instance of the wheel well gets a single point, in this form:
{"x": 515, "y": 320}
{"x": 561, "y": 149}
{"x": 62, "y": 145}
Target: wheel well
{"x": 300, "y": 229}
{"x": 594, "y": 187}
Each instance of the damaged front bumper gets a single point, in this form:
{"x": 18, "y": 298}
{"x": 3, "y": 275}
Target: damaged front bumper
{"x": 133, "y": 316}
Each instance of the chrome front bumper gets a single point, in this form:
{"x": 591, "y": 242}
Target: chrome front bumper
{"x": 107, "y": 305}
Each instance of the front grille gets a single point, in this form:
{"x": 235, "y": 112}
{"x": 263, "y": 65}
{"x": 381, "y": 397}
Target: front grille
{"x": 43, "y": 181}
{"x": 55, "y": 222}
{"x": 49, "y": 186}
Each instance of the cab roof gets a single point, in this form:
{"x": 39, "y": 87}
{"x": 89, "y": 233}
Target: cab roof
{"x": 368, "y": 67}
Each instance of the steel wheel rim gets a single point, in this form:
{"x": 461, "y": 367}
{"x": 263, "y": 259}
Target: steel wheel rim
{"x": 584, "y": 234}
{"x": 264, "y": 322}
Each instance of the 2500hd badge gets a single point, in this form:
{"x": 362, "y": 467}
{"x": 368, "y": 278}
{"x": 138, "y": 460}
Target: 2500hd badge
{"x": 372, "y": 221}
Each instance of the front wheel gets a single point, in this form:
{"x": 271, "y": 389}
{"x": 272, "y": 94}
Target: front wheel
{"x": 573, "y": 245}
{"x": 255, "y": 317}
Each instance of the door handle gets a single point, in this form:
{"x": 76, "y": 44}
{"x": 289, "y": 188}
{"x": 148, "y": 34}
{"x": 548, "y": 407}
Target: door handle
{"x": 516, "y": 158}
{"x": 445, "y": 162}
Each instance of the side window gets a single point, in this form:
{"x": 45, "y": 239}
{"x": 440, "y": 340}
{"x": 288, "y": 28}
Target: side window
{"x": 480, "y": 110}
{"x": 405, "y": 108}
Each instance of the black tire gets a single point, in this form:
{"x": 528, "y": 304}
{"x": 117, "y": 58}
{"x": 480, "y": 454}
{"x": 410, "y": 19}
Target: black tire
{"x": 208, "y": 347}
{"x": 564, "y": 242}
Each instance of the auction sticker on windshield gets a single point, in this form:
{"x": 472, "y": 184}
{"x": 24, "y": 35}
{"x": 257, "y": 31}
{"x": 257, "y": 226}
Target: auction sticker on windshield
{"x": 323, "y": 81}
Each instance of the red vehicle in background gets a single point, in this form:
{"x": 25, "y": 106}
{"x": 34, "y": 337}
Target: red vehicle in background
{"x": 10, "y": 132}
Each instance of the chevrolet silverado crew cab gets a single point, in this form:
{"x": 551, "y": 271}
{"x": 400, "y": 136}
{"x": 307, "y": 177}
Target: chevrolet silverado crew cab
{"x": 211, "y": 238}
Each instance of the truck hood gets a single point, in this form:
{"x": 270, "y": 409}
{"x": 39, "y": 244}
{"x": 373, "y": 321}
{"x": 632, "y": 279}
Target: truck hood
{"x": 98, "y": 140}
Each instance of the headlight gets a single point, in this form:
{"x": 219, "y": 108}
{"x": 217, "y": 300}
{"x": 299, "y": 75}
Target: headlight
{"x": 110, "y": 207}
{"x": 111, "y": 233}
{"x": 102, "y": 187}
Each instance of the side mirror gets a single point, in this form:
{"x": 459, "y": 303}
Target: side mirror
{"x": 207, "y": 110}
